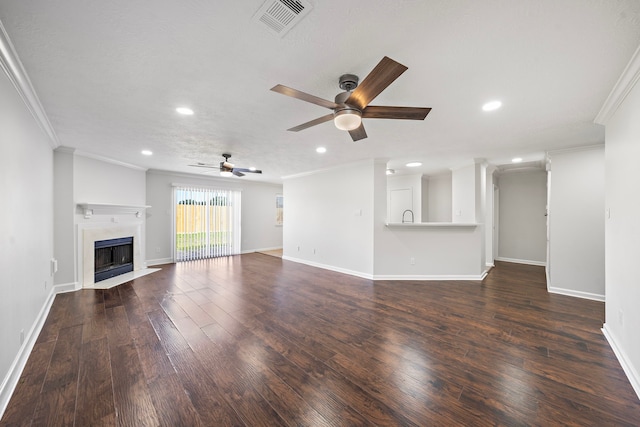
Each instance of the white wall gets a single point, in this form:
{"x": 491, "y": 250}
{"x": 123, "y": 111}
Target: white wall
{"x": 489, "y": 216}
{"x": 622, "y": 228}
{"x": 26, "y": 227}
{"x": 329, "y": 218}
{"x": 576, "y": 222}
{"x": 112, "y": 183}
{"x": 523, "y": 224}
{"x": 97, "y": 181}
{"x": 411, "y": 183}
{"x": 343, "y": 218}
{"x": 64, "y": 234}
{"x": 80, "y": 179}
{"x": 463, "y": 193}
{"x": 424, "y": 207}
{"x": 259, "y": 229}
{"x": 439, "y": 195}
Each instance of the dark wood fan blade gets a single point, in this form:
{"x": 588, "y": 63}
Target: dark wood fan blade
{"x": 314, "y": 122}
{"x": 358, "y": 133}
{"x": 294, "y": 93}
{"x": 246, "y": 170}
{"x": 378, "y": 79}
{"x": 237, "y": 172}
{"x": 383, "y": 112}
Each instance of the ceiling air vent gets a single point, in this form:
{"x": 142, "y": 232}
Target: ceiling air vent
{"x": 279, "y": 16}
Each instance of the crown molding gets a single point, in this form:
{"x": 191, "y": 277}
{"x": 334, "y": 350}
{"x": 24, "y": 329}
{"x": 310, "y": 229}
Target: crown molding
{"x": 621, "y": 89}
{"x": 65, "y": 149}
{"x": 12, "y": 67}
{"x": 331, "y": 169}
{"x": 107, "y": 160}
{"x": 550, "y": 153}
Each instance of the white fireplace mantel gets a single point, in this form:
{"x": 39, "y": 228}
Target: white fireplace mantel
{"x": 91, "y": 209}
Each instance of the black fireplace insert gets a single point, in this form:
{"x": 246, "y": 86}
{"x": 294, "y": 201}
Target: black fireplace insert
{"x": 113, "y": 257}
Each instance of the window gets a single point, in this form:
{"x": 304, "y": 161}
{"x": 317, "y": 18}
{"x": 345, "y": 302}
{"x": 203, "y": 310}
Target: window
{"x": 207, "y": 222}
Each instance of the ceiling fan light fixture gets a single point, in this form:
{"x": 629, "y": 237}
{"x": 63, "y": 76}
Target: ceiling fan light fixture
{"x": 347, "y": 119}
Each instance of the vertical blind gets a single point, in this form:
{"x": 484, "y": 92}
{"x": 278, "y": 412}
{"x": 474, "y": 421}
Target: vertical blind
{"x": 207, "y": 222}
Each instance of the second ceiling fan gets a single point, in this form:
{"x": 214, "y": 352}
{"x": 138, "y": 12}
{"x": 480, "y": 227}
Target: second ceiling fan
{"x": 352, "y": 105}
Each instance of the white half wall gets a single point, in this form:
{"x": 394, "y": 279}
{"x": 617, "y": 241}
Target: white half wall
{"x": 622, "y": 227}
{"x": 523, "y": 224}
{"x": 576, "y": 222}
{"x": 259, "y": 229}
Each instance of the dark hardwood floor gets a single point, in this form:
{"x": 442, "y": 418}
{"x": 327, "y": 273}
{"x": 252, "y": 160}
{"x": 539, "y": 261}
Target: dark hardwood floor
{"x": 253, "y": 340}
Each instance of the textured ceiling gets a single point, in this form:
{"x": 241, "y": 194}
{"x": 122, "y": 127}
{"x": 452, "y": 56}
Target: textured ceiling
{"x": 111, "y": 73}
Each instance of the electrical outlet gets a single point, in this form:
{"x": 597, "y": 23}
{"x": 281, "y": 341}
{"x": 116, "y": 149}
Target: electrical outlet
{"x": 298, "y": 248}
{"x": 412, "y": 261}
{"x": 314, "y": 251}
{"x": 157, "y": 249}
{"x": 45, "y": 284}
{"x": 620, "y": 317}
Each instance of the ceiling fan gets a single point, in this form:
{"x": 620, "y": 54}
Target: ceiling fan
{"x": 227, "y": 169}
{"x": 352, "y": 105}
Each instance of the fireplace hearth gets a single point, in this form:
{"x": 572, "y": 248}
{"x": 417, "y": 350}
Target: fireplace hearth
{"x": 113, "y": 257}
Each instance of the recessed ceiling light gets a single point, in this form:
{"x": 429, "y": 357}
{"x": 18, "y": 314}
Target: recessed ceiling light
{"x": 414, "y": 164}
{"x": 492, "y": 105}
{"x": 516, "y": 159}
{"x": 185, "y": 111}
{"x": 147, "y": 152}
{"x": 390, "y": 171}
{"x": 321, "y": 150}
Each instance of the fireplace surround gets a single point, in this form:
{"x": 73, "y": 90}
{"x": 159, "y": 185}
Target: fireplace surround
{"x": 90, "y": 233}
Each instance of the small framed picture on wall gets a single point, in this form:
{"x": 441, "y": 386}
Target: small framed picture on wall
{"x": 279, "y": 209}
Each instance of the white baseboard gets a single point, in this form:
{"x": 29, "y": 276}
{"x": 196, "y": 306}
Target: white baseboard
{"x": 10, "y": 381}
{"x": 474, "y": 277}
{"x": 250, "y": 251}
{"x": 329, "y": 267}
{"x": 522, "y": 261}
{"x": 432, "y": 277}
{"x": 66, "y": 287}
{"x": 577, "y": 294}
{"x": 159, "y": 261}
{"x": 627, "y": 367}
